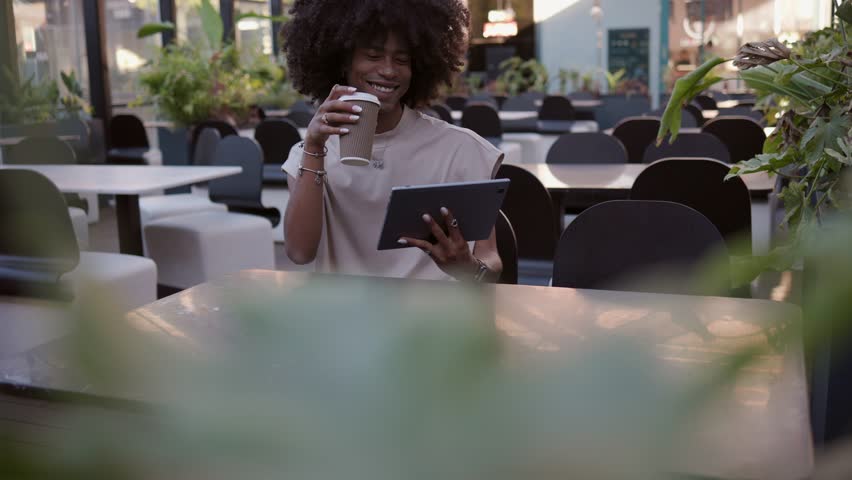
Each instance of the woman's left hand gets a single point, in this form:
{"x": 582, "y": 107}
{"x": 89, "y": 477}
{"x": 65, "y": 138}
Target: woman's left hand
{"x": 451, "y": 252}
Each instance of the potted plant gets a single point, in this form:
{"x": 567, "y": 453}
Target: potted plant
{"x": 521, "y": 76}
{"x": 804, "y": 88}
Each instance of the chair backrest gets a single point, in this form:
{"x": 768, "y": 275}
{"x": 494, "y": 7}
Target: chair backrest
{"x": 443, "y": 112}
{"x": 700, "y": 183}
{"x": 276, "y": 138}
{"x": 37, "y": 241}
{"x": 205, "y": 148}
{"x": 556, "y": 107}
{"x": 636, "y": 245}
{"x": 241, "y": 193}
{"x": 695, "y": 113}
{"x": 456, "y": 102}
{"x": 693, "y": 145}
{"x": 482, "y": 119}
{"x": 636, "y": 133}
{"x": 587, "y": 147}
{"x": 743, "y": 111}
{"x": 40, "y": 150}
{"x": 705, "y": 102}
{"x": 300, "y": 118}
{"x": 615, "y": 108}
{"x": 529, "y": 208}
{"x": 743, "y": 136}
{"x": 245, "y": 187}
{"x": 687, "y": 119}
{"x": 225, "y": 129}
{"x": 519, "y": 103}
{"x": 507, "y": 248}
{"x": 127, "y": 131}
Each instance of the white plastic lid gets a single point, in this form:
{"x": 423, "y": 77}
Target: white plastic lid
{"x": 367, "y": 97}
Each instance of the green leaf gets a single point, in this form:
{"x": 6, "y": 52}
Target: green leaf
{"x": 683, "y": 88}
{"x": 212, "y": 25}
{"x": 839, "y": 156}
{"x": 793, "y": 196}
{"x": 824, "y": 133}
{"x": 805, "y": 80}
{"x": 773, "y": 142}
{"x": 764, "y": 162}
{"x": 274, "y": 18}
{"x": 154, "y": 28}
{"x": 844, "y": 11}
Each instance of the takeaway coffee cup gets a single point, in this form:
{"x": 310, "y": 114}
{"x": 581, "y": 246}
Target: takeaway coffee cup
{"x": 356, "y": 147}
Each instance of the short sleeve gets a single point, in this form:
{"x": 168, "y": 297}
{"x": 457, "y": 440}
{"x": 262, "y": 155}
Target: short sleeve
{"x": 291, "y": 165}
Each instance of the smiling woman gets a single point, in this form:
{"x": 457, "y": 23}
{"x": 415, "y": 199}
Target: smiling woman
{"x": 400, "y": 52}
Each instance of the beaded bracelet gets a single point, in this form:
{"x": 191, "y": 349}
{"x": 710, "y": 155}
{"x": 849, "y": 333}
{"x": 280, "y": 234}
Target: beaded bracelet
{"x": 318, "y": 174}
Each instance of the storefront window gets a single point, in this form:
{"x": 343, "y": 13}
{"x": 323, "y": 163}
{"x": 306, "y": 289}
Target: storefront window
{"x": 188, "y": 22}
{"x": 253, "y": 35}
{"x": 127, "y": 54}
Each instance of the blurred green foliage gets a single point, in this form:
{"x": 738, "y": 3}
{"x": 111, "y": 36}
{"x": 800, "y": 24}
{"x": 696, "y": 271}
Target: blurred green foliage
{"x": 31, "y": 101}
{"x": 519, "y": 75}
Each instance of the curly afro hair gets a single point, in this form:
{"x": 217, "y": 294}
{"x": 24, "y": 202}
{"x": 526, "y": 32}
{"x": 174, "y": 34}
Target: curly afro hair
{"x": 321, "y": 35}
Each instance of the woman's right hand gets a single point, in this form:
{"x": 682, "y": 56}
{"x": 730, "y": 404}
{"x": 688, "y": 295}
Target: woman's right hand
{"x": 332, "y": 117}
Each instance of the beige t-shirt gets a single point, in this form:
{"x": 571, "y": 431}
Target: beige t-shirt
{"x": 420, "y": 150}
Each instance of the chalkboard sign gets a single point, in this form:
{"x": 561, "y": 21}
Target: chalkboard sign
{"x": 629, "y": 49}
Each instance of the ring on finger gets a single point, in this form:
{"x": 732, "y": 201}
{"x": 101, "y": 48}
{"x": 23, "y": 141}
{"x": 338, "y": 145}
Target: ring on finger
{"x": 324, "y": 118}
{"x": 454, "y": 223}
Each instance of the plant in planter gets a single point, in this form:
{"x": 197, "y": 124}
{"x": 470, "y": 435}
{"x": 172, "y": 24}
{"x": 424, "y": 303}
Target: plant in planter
{"x": 566, "y": 76}
{"x": 521, "y": 76}
{"x": 805, "y": 87}
{"x": 33, "y": 102}
{"x": 193, "y": 83}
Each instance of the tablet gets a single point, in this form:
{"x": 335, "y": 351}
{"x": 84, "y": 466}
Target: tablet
{"x": 473, "y": 204}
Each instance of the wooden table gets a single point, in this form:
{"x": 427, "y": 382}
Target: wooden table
{"x": 126, "y": 182}
{"x": 756, "y": 427}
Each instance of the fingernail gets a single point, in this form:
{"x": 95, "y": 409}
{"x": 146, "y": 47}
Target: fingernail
{"x": 344, "y": 130}
{"x": 354, "y": 117}
{"x": 357, "y": 108}
{"x": 402, "y": 241}
{"x": 352, "y": 89}
{"x": 444, "y": 211}
{"x": 427, "y": 218}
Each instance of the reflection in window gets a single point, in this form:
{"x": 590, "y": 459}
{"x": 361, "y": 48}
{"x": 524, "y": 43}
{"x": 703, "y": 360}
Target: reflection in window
{"x": 50, "y": 38}
{"x": 253, "y": 35}
{"x": 126, "y": 54}
{"x": 189, "y": 23}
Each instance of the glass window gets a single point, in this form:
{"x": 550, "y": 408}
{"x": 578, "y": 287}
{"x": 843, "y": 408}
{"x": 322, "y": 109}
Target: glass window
{"x": 51, "y": 39}
{"x": 125, "y": 53}
{"x": 188, "y": 22}
{"x": 253, "y": 35}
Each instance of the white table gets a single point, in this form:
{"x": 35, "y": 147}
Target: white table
{"x": 756, "y": 427}
{"x": 126, "y": 182}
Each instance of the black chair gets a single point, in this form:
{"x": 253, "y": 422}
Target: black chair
{"x": 205, "y": 147}
{"x": 647, "y": 246}
{"x": 303, "y": 106}
{"x": 456, "y": 102}
{"x": 705, "y": 102}
{"x": 615, "y": 108}
{"x": 743, "y": 111}
{"x": 241, "y": 193}
{"x": 556, "y": 115}
{"x": 484, "y": 120}
{"x": 300, "y": 118}
{"x": 276, "y": 138}
{"x": 743, "y": 136}
{"x": 507, "y": 248}
{"x": 225, "y": 129}
{"x": 587, "y": 147}
{"x": 636, "y": 133}
{"x": 529, "y": 208}
{"x": 37, "y": 241}
{"x": 700, "y": 183}
{"x": 128, "y": 141}
{"x": 443, "y": 112}
{"x": 520, "y": 103}
{"x": 695, "y": 112}
{"x": 692, "y": 145}
{"x": 687, "y": 118}
{"x": 46, "y": 151}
